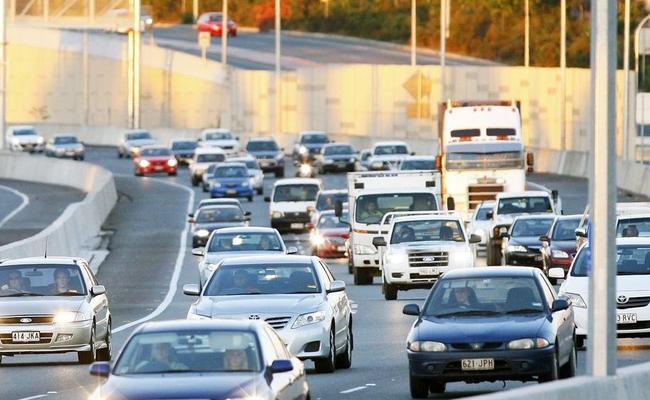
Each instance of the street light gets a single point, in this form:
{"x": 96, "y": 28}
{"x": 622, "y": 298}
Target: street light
{"x": 278, "y": 113}
{"x": 413, "y": 33}
{"x": 224, "y": 33}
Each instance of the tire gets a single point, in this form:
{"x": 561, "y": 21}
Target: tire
{"x": 327, "y": 364}
{"x": 553, "y": 375}
{"x": 172, "y": 173}
{"x": 580, "y": 342}
{"x": 119, "y": 154}
{"x": 344, "y": 360}
{"x": 437, "y": 387}
{"x": 250, "y": 199}
{"x": 279, "y": 173}
{"x": 419, "y": 387}
{"x": 568, "y": 370}
{"x": 362, "y": 276}
{"x": 350, "y": 265}
{"x": 88, "y": 357}
{"x": 260, "y": 191}
{"x": 106, "y": 353}
{"x": 390, "y": 291}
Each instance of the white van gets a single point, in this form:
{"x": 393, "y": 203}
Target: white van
{"x": 292, "y": 202}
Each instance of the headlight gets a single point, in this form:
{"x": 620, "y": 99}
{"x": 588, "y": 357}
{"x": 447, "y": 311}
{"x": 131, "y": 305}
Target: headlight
{"x": 196, "y": 316}
{"x": 39, "y": 140}
{"x": 68, "y": 316}
{"x": 317, "y": 240}
{"x": 305, "y": 169}
{"x": 461, "y": 259}
{"x": 279, "y": 156}
{"x": 527, "y": 344}
{"x": 303, "y": 150}
{"x": 277, "y": 214}
{"x": 352, "y": 160}
{"x": 59, "y": 150}
{"x": 202, "y": 233}
{"x": 172, "y": 162}
{"x": 308, "y": 319}
{"x": 427, "y": 346}
{"x": 245, "y": 184}
{"x": 144, "y": 163}
{"x": 148, "y": 21}
{"x": 15, "y": 141}
{"x": 559, "y": 254}
{"x": 377, "y": 164}
{"x": 515, "y": 248}
{"x": 397, "y": 258}
{"x": 363, "y": 249}
{"x": 215, "y": 184}
{"x": 329, "y": 161}
{"x": 576, "y": 300}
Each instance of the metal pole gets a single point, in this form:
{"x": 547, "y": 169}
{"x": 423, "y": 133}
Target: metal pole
{"x": 637, "y": 45}
{"x": 3, "y": 64}
{"x": 224, "y": 33}
{"x": 413, "y": 33}
{"x": 626, "y": 85}
{"x": 602, "y": 196}
{"x": 278, "y": 111}
{"x": 443, "y": 44}
{"x": 134, "y": 67}
{"x": 563, "y": 76}
{"x": 526, "y": 33}
{"x": 195, "y": 10}
{"x": 86, "y": 78}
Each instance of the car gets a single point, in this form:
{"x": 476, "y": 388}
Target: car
{"x": 208, "y": 177}
{"x": 388, "y": 155}
{"x": 155, "y": 159}
{"x": 559, "y": 246}
{"x": 297, "y": 295}
{"x": 24, "y": 138}
{"x": 209, "y": 218}
{"x": 308, "y": 144}
{"x": 221, "y": 138}
{"x": 131, "y": 142}
{"x": 422, "y": 246}
{"x": 420, "y": 163}
{"x": 53, "y": 305}
{"x": 238, "y": 242}
{"x": 329, "y": 235}
{"x": 255, "y": 173}
{"x": 268, "y": 154}
{"x": 183, "y": 150}
{"x": 479, "y": 223}
{"x": 632, "y": 288}
{"x": 364, "y": 159}
{"x": 336, "y": 157}
{"x": 203, "y": 158}
{"x": 220, "y": 359}
{"x": 65, "y": 146}
{"x": 219, "y": 202}
{"x": 489, "y": 324}
{"x": 630, "y": 216}
{"x": 230, "y": 179}
{"x": 293, "y": 200}
{"x": 213, "y": 22}
{"x": 326, "y": 200}
{"x": 521, "y": 244}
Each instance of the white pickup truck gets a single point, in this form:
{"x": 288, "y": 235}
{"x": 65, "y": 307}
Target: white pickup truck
{"x": 422, "y": 246}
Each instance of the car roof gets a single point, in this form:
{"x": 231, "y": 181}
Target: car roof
{"x": 297, "y": 181}
{"x": 429, "y": 217}
{"x": 527, "y": 193}
{"x": 391, "y": 143}
{"x": 60, "y": 135}
{"x": 337, "y": 144}
{"x": 247, "y": 229}
{"x": 420, "y": 158}
{"x": 209, "y": 150}
{"x": 271, "y": 258}
{"x": 154, "y": 146}
{"x": 332, "y": 191}
{"x": 633, "y": 216}
{"x": 643, "y": 240}
{"x": 490, "y": 272}
{"x": 184, "y": 325}
{"x": 220, "y": 201}
{"x": 183, "y": 140}
{"x": 571, "y": 216}
{"x": 41, "y": 260}
{"x": 231, "y": 164}
{"x": 218, "y": 206}
{"x": 313, "y": 133}
{"x": 261, "y": 139}
{"x": 487, "y": 204}
{"x": 243, "y": 158}
{"x": 136, "y": 131}
{"x": 21, "y": 127}
{"x": 535, "y": 216}
{"x": 216, "y": 130}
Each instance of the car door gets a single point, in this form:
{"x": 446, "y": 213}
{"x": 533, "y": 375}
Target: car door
{"x": 99, "y": 304}
{"x": 562, "y": 320}
{"x": 339, "y": 304}
{"x": 286, "y": 385}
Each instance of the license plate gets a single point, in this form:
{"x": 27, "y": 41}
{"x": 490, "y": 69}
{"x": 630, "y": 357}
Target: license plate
{"x": 340, "y": 248}
{"x": 429, "y": 271}
{"x": 627, "y": 318}
{"x": 231, "y": 191}
{"x": 25, "y": 337}
{"x": 477, "y": 364}
{"x": 159, "y": 168}
{"x": 297, "y": 226}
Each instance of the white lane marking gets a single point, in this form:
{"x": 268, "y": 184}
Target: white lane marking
{"x": 354, "y": 306}
{"x": 355, "y": 389}
{"x": 38, "y": 396}
{"x": 24, "y": 202}
{"x": 180, "y": 258}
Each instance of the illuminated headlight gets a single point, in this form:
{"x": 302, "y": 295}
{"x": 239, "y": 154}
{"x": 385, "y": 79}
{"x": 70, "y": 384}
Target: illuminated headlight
{"x": 352, "y": 160}
{"x": 397, "y": 258}
{"x": 527, "y": 344}
{"x": 377, "y": 164}
{"x": 460, "y": 259}
{"x": 64, "y": 317}
{"x": 305, "y": 169}
{"x": 277, "y": 214}
{"x": 576, "y": 300}
{"x": 144, "y": 163}
{"x": 559, "y": 254}
{"x": 202, "y": 233}
{"x": 317, "y": 240}
{"x": 363, "y": 249}
{"x": 62, "y": 338}
{"x": 308, "y": 319}
{"x": 303, "y": 150}
{"x": 15, "y": 141}
{"x": 197, "y": 316}
{"x": 40, "y": 140}
{"x": 515, "y": 248}
{"x": 279, "y": 156}
{"x": 172, "y": 162}
{"x": 427, "y": 346}
{"x": 214, "y": 184}
{"x": 148, "y": 21}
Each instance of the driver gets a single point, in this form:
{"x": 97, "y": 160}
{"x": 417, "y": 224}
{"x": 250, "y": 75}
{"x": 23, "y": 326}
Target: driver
{"x": 462, "y": 297}
{"x": 235, "y": 360}
{"x": 420, "y": 204}
{"x": 406, "y": 234}
{"x": 163, "y": 358}
{"x": 371, "y": 213}
{"x": 265, "y": 243}
{"x": 242, "y": 283}
{"x": 61, "y": 282}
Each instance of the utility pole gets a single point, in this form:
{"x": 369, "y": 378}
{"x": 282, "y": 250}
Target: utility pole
{"x": 413, "y": 33}
{"x": 278, "y": 111}
{"x": 626, "y": 85}
{"x": 3, "y": 75}
{"x": 195, "y": 10}
{"x": 563, "y": 75}
{"x": 224, "y": 33}
{"x": 443, "y": 45}
{"x": 526, "y": 33}
{"x": 134, "y": 67}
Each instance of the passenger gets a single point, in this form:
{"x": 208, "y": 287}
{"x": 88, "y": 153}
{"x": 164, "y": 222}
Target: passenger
{"x": 235, "y": 360}
{"x": 463, "y": 297}
{"x": 265, "y": 243}
{"x": 631, "y": 231}
{"x": 61, "y": 282}
{"x": 446, "y": 233}
{"x": 242, "y": 284}
{"x": 14, "y": 282}
{"x": 420, "y": 204}
{"x": 406, "y": 234}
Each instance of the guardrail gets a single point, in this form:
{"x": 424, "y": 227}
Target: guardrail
{"x": 80, "y": 221}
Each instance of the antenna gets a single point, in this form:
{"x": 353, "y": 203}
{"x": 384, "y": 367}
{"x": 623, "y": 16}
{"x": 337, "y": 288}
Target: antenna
{"x": 45, "y": 256}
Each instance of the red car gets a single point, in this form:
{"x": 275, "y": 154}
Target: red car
{"x": 559, "y": 246}
{"x": 329, "y": 235}
{"x": 155, "y": 159}
{"x": 212, "y": 22}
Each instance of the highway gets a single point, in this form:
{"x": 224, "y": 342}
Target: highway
{"x": 150, "y": 261}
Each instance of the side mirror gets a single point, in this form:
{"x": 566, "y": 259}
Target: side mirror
{"x": 336, "y": 286}
{"x": 279, "y": 366}
{"x": 560, "y": 304}
{"x": 504, "y": 235}
{"x": 545, "y": 238}
{"x": 412, "y": 153}
{"x": 247, "y": 219}
{"x": 292, "y": 250}
{"x": 199, "y": 251}
{"x": 451, "y": 204}
{"x": 555, "y": 194}
{"x": 98, "y": 290}
{"x": 489, "y": 214}
{"x": 581, "y": 232}
{"x": 556, "y": 273}
{"x": 438, "y": 162}
{"x": 411, "y": 309}
{"x": 378, "y": 241}
{"x": 101, "y": 369}
{"x": 191, "y": 289}
{"x": 267, "y": 199}
{"x": 247, "y": 213}
{"x": 338, "y": 208}
{"x": 474, "y": 238}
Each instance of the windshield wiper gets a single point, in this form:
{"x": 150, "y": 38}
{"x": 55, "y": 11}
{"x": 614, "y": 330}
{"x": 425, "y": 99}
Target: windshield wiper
{"x": 467, "y": 313}
{"x": 21, "y": 294}
{"x": 524, "y": 311}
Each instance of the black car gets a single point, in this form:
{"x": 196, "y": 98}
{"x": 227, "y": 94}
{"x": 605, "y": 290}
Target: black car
{"x": 336, "y": 157}
{"x": 210, "y": 218}
{"x": 218, "y": 359}
{"x": 309, "y": 144}
{"x": 268, "y": 154}
{"x": 523, "y": 246}
{"x": 490, "y": 324}
{"x": 183, "y": 150}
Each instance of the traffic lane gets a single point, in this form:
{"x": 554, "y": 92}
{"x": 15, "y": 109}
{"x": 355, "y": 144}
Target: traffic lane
{"x": 46, "y": 203}
{"x": 10, "y": 202}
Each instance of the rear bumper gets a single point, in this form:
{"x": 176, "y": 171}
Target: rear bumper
{"x": 231, "y": 192}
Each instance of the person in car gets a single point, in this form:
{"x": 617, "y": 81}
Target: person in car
{"x": 61, "y": 282}
{"x": 14, "y": 282}
{"x": 463, "y": 297}
{"x": 406, "y": 234}
{"x": 235, "y": 360}
{"x": 371, "y": 213}
{"x": 265, "y": 243}
{"x": 631, "y": 231}
{"x": 242, "y": 284}
{"x": 163, "y": 358}
{"x": 420, "y": 204}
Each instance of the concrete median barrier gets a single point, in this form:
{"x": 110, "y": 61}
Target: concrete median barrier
{"x": 80, "y": 222}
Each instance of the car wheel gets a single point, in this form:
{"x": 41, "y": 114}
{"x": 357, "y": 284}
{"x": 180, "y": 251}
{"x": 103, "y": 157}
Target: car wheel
{"x": 120, "y": 155}
{"x": 344, "y": 360}
{"x": 106, "y": 353}
{"x": 172, "y": 173}
{"x": 327, "y": 364}
{"x": 437, "y": 387}
{"x": 580, "y": 342}
{"x": 568, "y": 370}
{"x": 552, "y": 375}
{"x": 250, "y": 199}
{"x": 419, "y": 387}
{"x": 390, "y": 291}
{"x": 362, "y": 276}
{"x": 88, "y": 357}
{"x": 260, "y": 191}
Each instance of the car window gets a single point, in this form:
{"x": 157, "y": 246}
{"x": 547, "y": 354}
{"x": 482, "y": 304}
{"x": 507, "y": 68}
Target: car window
{"x": 156, "y": 152}
{"x": 220, "y": 214}
{"x": 482, "y": 213}
{"x": 328, "y": 272}
{"x": 427, "y": 230}
{"x": 313, "y": 138}
{"x": 630, "y": 260}
{"x": 235, "y": 280}
{"x": 565, "y": 229}
{"x": 331, "y": 221}
{"x": 338, "y": 150}
{"x": 138, "y": 136}
{"x": 298, "y": 192}
{"x": 184, "y": 145}
{"x": 548, "y": 291}
{"x": 218, "y": 135}
{"x": 42, "y": 280}
{"x": 390, "y": 150}
{"x": 262, "y": 145}
{"x": 327, "y": 201}
{"x": 633, "y": 227}
{"x": 427, "y": 165}
{"x": 262, "y": 241}
{"x": 230, "y": 172}
{"x": 370, "y": 209}
{"x": 523, "y": 205}
{"x": 531, "y": 227}
{"x": 66, "y": 140}
{"x": 24, "y": 132}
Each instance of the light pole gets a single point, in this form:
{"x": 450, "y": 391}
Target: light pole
{"x": 195, "y": 10}
{"x": 3, "y": 65}
{"x": 563, "y": 75}
{"x": 443, "y": 45}
{"x": 526, "y": 34}
{"x": 224, "y": 33}
{"x": 637, "y": 34}
{"x": 413, "y": 33}
{"x": 134, "y": 68}
{"x": 278, "y": 112}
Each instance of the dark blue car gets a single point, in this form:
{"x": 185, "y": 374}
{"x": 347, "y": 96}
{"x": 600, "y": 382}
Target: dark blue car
{"x": 207, "y": 359}
{"x": 490, "y": 324}
{"x": 231, "y": 180}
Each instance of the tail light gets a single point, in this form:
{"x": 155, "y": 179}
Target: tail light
{"x": 345, "y": 235}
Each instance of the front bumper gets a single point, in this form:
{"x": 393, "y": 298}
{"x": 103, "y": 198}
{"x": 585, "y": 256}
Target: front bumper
{"x": 30, "y": 147}
{"x": 50, "y": 335}
{"x": 270, "y": 164}
{"x": 640, "y": 329}
{"x": 524, "y": 259}
{"x": 166, "y": 169}
{"x": 291, "y": 222}
{"x": 307, "y": 342}
{"x": 231, "y": 192}
{"x": 339, "y": 166}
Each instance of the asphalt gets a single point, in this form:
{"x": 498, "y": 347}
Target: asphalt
{"x": 150, "y": 222}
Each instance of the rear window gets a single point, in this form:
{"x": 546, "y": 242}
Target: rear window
{"x": 138, "y": 136}
{"x": 465, "y": 132}
{"x": 204, "y": 158}
{"x": 262, "y": 145}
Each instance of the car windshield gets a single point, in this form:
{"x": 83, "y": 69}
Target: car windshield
{"x": 370, "y": 209}
{"x": 314, "y": 138}
{"x": 220, "y": 214}
{"x": 483, "y": 296}
{"x": 184, "y": 145}
{"x": 427, "y": 165}
{"x": 427, "y": 231}
{"x": 182, "y": 351}
{"x": 262, "y": 241}
{"x": 155, "y": 152}
{"x": 630, "y": 260}
{"x": 262, "y": 145}
{"x": 231, "y": 172}
{"x": 338, "y": 150}
{"x": 501, "y": 160}
{"x": 327, "y": 201}
{"x": 41, "y": 280}
{"x": 482, "y": 213}
{"x": 206, "y": 158}
{"x": 524, "y": 205}
{"x": 331, "y": 221}
{"x": 66, "y": 140}
{"x": 633, "y": 227}
{"x": 296, "y": 192}
{"x": 565, "y": 229}
{"x": 531, "y": 227}
{"x": 138, "y": 136}
{"x": 218, "y": 136}
{"x": 390, "y": 149}
{"x": 232, "y": 280}
{"x": 24, "y": 132}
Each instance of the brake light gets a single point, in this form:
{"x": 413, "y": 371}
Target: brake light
{"x": 345, "y": 235}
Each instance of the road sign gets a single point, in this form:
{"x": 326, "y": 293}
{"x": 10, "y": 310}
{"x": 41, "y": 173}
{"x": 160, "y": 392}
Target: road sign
{"x": 418, "y": 86}
{"x": 204, "y": 43}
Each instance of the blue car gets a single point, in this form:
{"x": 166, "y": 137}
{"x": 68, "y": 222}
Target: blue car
{"x": 216, "y": 359}
{"x": 231, "y": 180}
{"x": 490, "y": 324}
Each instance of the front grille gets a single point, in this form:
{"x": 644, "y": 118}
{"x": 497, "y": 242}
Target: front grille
{"x": 231, "y": 185}
{"x": 481, "y": 346}
{"x": 429, "y": 259}
{"x": 226, "y": 147}
{"x": 278, "y": 322}
{"x": 484, "y": 190}
{"x": 5, "y": 338}
{"x": 420, "y": 278}
{"x": 629, "y": 327}
{"x": 36, "y": 319}
{"x": 634, "y": 302}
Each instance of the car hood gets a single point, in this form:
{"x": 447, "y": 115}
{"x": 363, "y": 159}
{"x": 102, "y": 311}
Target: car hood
{"x": 243, "y": 306}
{"x": 389, "y": 157}
{"x": 181, "y": 386}
{"x": 231, "y": 181}
{"x": 183, "y": 152}
{"x": 292, "y": 206}
{"x": 213, "y": 258}
{"x": 156, "y": 158}
{"x": 39, "y": 305}
{"x": 629, "y": 285}
{"x": 218, "y": 225}
{"x": 333, "y": 231}
{"x": 140, "y": 142}
{"x": 339, "y": 157}
{"x": 429, "y": 245}
{"x": 26, "y": 139}
{"x": 264, "y": 153}
{"x": 527, "y": 241}
{"x": 311, "y": 146}
{"x": 480, "y": 329}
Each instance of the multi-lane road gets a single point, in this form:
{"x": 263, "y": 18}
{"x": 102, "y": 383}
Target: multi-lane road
{"x": 149, "y": 261}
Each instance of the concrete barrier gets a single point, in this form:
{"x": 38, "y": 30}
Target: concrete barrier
{"x": 80, "y": 222}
